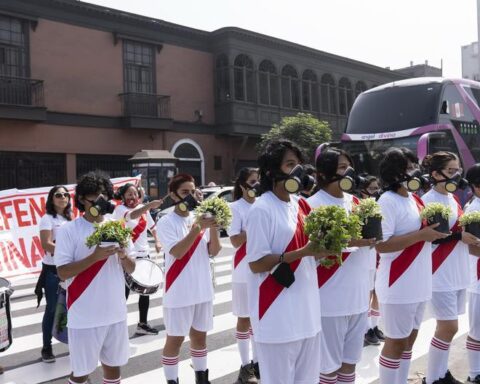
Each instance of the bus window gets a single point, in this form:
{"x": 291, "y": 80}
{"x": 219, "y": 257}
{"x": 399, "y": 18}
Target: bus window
{"x": 474, "y": 94}
{"x": 445, "y": 142}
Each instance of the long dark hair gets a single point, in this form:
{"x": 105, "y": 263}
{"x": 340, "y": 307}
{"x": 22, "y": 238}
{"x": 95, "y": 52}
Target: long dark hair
{"x": 437, "y": 161}
{"x": 241, "y": 180}
{"x": 50, "y": 208}
{"x": 393, "y": 167}
{"x": 327, "y": 164}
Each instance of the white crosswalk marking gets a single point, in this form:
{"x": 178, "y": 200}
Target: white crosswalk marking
{"x": 25, "y": 367}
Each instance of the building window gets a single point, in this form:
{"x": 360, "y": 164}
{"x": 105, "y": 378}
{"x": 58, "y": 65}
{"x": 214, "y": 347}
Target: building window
{"x": 290, "y": 88}
{"x": 345, "y": 98}
{"x": 268, "y": 81}
{"x": 359, "y": 88}
{"x": 222, "y": 78}
{"x": 139, "y": 67}
{"x": 13, "y": 57}
{"x": 113, "y": 165}
{"x": 244, "y": 79}
{"x": 309, "y": 91}
{"x": 328, "y": 94}
{"x": 190, "y": 159}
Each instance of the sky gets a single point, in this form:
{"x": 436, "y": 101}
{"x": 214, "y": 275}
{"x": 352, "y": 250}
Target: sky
{"x": 381, "y": 32}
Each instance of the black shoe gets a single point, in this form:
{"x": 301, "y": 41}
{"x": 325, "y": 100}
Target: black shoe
{"x": 371, "y": 338}
{"x": 246, "y": 375}
{"x": 47, "y": 355}
{"x": 256, "y": 370}
{"x": 379, "y": 334}
{"x": 145, "y": 329}
{"x": 449, "y": 379}
{"x": 173, "y": 382}
{"x": 475, "y": 380}
{"x": 201, "y": 377}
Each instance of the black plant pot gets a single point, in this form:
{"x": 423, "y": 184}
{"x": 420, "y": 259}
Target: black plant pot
{"x": 372, "y": 229}
{"x": 473, "y": 228}
{"x": 438, "y": 218}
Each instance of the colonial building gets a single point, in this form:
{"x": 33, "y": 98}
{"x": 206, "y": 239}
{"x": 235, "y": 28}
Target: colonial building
{"x": 85, "y": 87}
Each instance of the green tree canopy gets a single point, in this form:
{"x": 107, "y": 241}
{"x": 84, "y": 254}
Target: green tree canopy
{"x": 303, "y": 129}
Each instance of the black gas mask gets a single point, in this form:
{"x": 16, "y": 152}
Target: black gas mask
{"x": 349, "y": 181}
{"x": 452, "y": 183}
{"x": 101, "y": 206}
{"x": 415, "y": 180}
{"x": 297, "y": 180}
{"x": 189, "y": 203}
{"x": 253, "y": 190}
{"x": 374, "y": 195}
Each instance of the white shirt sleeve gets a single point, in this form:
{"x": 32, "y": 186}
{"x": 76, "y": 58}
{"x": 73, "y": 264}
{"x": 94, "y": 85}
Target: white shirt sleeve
{"x": 389, "y": 217}
{"x": 236, "y": 224}
{"x": 167, "y": 234}
{"x": 46, "y": 223}
{"x": 64, "y": 247}
{"x": 119, "y": 212}
{"x": 259, "y": 242}
{"x": 150, "y": 222}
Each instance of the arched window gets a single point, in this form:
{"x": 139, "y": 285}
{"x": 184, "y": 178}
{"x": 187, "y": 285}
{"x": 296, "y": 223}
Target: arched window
{"x": 309, "y": 91}
{"x": 328, "y": 94}
{"x": 222, "y": 78}
{"x": 360, "y": 87}
{"x": 268, "y": 81}
{"x": 345, "y": 97}
{"x": 190, "y": 159}
{"x": 244, "y": 78}
{"x": 290, "y": 88}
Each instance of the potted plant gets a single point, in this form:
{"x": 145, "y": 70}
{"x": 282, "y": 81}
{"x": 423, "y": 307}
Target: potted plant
{"x": 215, "y": 207}
{"x": 370, "y": 215}
{"x": 437, "y": 213}
{"x": 108, "y": 233}
{"x": 330, "y": 228}
{"x": 471, "y": 222}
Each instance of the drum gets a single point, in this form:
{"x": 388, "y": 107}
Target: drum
{"x": 60, "y": 330}
{"x": 146, "y": 279}
{"x": 5, "y": 320}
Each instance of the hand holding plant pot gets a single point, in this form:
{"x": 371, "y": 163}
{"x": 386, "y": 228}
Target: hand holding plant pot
{"x": 217, "y": 208}
{"x": 471, "y": 222}
{"x": 329, "y": 228}
{"x": 437, "y": 213}
{"x": 370, "y": 215}
{"x": 110, "y": 233}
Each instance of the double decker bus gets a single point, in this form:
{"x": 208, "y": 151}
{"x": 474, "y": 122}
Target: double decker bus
{"x": 425, "y": 115}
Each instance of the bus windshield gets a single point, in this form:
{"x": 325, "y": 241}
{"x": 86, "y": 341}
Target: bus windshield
{"x": 395, "y": 109}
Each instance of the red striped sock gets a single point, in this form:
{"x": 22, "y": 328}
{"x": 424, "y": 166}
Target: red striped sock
{"x": 243, "y": 344}
{"x": 199, "y": 359}
{"x": 473, "y": 353}
{"x": 170, "y": 367}
{"x": 404, "y": 366}
{"x": 328, "y": 379}
{"x": 388, "y": 370}
{"x": 346, "y": 378}
{"x": 111, "y": 381}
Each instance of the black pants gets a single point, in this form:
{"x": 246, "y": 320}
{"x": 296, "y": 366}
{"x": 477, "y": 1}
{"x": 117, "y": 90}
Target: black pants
{"x": 143, "y": 305}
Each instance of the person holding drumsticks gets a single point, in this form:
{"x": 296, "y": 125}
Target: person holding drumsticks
{"x": 137, "y": 217}
{"x": 188, "y": 298}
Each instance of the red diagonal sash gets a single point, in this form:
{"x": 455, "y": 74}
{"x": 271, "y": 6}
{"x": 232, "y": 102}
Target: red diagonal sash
{"x": 409, "y": 254}
{"x": 269, "y": 289}
{"x": 440, "y": 254}
{"x": 81, "y": 282}
{"x": 324, "y": 274}
{"x": 240, "y": 254}
{"x": 178, "y": 265}
{"x": 139, "y": 228}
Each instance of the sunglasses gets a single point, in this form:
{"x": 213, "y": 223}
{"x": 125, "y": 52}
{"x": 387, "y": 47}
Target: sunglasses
{"x": 59, "y": 195}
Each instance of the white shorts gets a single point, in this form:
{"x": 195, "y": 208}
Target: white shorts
{"x": 240, "y": 300}
{"x": 448, "y": 305}
{"x": 108, "y": 343}
{"x": 342, "y": 341}
{"x": 296, "y": 362}
{"x": 178, "y": 321}
{"x": 399, "y": 320}
{"x": 372, "y": 279}
{"x": 473, "y": 315}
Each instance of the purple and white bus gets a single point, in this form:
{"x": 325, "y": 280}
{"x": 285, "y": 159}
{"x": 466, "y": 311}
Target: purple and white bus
{"x": 425, "y": 115}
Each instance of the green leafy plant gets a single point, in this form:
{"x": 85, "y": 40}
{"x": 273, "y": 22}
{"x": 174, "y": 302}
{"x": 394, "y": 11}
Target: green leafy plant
{"x": 111, "y": 231}
{"x": 469, "y": 218}
{"x": 366, "y": 209}
{"x": 218, "y": 208}
{"x": 330, "y": 228}
{"x": 432, "y": 209}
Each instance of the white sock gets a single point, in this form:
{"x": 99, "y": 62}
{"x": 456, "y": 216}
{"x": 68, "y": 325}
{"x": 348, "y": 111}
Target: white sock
{"x": 473, "y": 352}
{"x": 254, "y": 347}
{"x": 199, "y": 359}
{"x": 374, "y": 317}
{"x": 170, "y": 367}
{"x": 111, "y": 381}
{"x": 243, "y": 344}
{"x": 346, "y": 378}
{"x": 389, "y": 369}
{"x": 404, "y": 367}
{"x": 437, "y": 360}
{"x": 328, "y": 379}
{"x": 369, "y": 322}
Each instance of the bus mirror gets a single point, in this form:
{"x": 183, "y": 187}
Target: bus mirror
{"x": 444, "y": 110}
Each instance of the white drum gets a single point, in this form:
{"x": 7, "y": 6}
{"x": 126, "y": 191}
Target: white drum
{"x": 146, "y": 279}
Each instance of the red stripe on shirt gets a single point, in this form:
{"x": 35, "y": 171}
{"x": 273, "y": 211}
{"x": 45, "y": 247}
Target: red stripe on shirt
{"x": 239, "y": 255}
{"x": 139, "y": 228}
{"x": 325, "y": 273}
{"x": 81, "y": 282}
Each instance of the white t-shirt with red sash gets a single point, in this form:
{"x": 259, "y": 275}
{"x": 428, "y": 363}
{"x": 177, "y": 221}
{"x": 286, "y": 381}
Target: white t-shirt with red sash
{"x": 278, "y": 314}
{"x": 139, "y": 227}
{"x": 239, "y": 216}
{"x": 344, "y": 289}
{"x": 96, "y": 296}
{"x": 474, "y": 287}
{"x": 404, "y": 276}
{"x": 188, "y": 280}
{"x": 450, "y": 260}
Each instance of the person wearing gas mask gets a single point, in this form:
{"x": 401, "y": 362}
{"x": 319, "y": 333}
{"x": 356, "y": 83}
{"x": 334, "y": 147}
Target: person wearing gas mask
{"x": 404, "y": 276}
{"x": 137, "y": 217}
{"x": 97, "y": 314}
{"x": 244, "y": 195}
{"x": 188, "y": 292}
{"x": 311, "y": 171}
{"x": 450, "y": 263}
{"x": 370, "y": 188}
{"x": 344, "y": 290}
{"x": 283, "y": 295}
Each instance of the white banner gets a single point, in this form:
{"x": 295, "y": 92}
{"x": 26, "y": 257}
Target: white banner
{"x": 21, "y": 251}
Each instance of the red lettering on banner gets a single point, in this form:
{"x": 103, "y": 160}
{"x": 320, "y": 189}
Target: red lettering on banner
{"x": 15, "y": 254}
{"x": 36, "y": 250}
{"x": 20, "y": 213}
{"x": 4, "y": 215}
{"x": 37, "y": 210}
{"x": 9, "y": 262}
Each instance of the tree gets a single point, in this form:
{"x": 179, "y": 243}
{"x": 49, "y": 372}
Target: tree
{"x": 304, "y": 130}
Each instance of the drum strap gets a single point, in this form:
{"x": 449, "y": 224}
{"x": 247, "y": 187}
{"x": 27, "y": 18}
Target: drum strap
{"x": 178, "y": 265}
